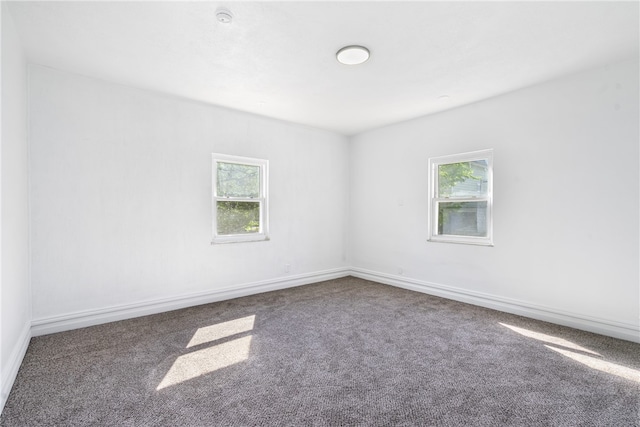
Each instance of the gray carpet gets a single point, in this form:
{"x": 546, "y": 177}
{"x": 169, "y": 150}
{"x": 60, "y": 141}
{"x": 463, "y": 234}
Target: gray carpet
{"x": 343, "y": 352}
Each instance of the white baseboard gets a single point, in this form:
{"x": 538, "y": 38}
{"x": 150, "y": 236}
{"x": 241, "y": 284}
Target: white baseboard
{"x": 13, "y": 364}
{"x": 610, "y": 328}
{"x": 81, "y": 319}
{"x": 86, "y": 318}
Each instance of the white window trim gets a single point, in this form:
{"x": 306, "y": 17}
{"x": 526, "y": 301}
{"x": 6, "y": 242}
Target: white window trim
{"x": 434, "y": 162}
{"x": 263, "y": 234}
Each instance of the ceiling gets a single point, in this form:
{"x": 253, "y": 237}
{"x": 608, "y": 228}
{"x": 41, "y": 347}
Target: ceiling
{"x": 277, "y": 59}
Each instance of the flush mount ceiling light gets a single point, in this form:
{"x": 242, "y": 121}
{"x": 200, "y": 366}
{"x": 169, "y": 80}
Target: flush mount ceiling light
{"x": 352, "y": 55}
{"x": 224, "y": 16}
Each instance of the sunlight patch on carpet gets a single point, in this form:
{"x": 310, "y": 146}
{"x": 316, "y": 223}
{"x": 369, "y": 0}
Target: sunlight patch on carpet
{"x": 215, "y": 356}
{"x": 600, "y": 365}
{"x": 222, "y": 330}
{"x": 207, "y": 360}
{"x": 549, "y": 339}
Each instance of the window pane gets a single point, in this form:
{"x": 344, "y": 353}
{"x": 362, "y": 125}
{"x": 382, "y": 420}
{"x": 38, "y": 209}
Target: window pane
{"x": 464, "y": 179}
{"x": 235, "y": 180}
{"x": 238, "y": 217}
{"x": 462, "y": 219}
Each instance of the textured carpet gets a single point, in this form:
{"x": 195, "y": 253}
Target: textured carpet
{"x": 343, "y": 352}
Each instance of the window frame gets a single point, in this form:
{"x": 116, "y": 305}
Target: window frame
{"x": 435, "y": 199}
{"x": 263, "y": 199}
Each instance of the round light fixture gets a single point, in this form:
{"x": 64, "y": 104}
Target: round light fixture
{"x": 352, "y": 55}
{"x": 224, "y": 16}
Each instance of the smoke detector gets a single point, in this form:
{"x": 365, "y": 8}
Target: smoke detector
{"x": 224, "y": 16}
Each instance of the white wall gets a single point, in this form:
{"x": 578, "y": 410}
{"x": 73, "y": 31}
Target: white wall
{"x": 121, "y": 196}
{"x": 566, "y": 199}
{"x": 15, "y": 296}
{"x": 120, "y": 189}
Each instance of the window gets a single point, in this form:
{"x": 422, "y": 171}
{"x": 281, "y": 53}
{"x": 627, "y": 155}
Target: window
{"x": 460, "y": 199}
{"x": 240, "y": 187}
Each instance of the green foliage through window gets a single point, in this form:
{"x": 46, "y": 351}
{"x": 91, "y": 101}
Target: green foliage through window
{"x": 238, "y": 217}
{"x": 240, "y": 201}
{"x": 237, "y": 180}
{"x": 449, "y": 175}
{"x": 460, "y": 200}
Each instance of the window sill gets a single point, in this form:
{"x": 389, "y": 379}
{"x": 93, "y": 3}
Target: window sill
{"x": 240, "y": 238}
{"x": 480, "y": 241}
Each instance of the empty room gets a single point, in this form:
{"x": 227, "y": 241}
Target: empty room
{"x": 320, "y": 213}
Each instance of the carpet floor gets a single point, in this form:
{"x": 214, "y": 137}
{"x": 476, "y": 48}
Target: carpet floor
{"x": 338, "y": 353}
